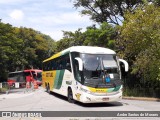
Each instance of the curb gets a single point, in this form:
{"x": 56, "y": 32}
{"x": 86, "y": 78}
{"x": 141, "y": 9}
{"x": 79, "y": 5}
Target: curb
{"x": 141, "y": 98}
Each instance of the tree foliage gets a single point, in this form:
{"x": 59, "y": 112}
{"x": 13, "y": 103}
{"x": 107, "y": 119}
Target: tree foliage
{"x": 22, "y": 48}
{"x": 104, "y": 36}
{"x": 111, "y": 11}
{"x": 70, "y": 39}
{"x": 36, "y": 47}
{"x": 139, "y": 41}
{"x": 9, "y": 49}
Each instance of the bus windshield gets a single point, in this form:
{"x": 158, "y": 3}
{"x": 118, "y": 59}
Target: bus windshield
{"x": 95, "y": 65}
{"x": 37, "y": 75}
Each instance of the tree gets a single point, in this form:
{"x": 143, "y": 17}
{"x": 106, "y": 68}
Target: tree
{"x": 104, "y": 36}
{"x": 70, "y": 39}
{"x": 36, "y": 47}
{"x": 139, "y": 41}
{"x": 9, "y": 49}
{"x": 111, "y": 11}
{"x": 22, "y": 48}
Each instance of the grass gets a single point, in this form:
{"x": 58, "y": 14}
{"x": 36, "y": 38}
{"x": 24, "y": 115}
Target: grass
{"x": 2, "y": 90}
{"x": 134, "y": 92}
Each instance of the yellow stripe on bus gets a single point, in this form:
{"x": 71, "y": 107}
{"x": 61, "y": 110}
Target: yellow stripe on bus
{"x": 99, "y": 90}
{"x": 52, "y": 57}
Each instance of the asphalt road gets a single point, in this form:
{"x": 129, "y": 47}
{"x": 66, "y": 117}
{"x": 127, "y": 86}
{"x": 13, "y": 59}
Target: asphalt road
{"x": 39, "y": 100}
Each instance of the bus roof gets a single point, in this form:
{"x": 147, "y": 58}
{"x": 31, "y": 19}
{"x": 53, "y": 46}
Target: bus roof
{"x": 83, "y": 49}
{"x": 15, "y": 72}
{"x": 37, "y": 70}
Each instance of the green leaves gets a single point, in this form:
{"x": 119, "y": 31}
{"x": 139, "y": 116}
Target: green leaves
{"x": 9, "y": 48}
{"x": 22, "y": 48}
{"x": 111, "y": 11}
{"x": 36, "y": 46}
{"x": 103, "y": 36}
{"x": 100, "y": 36}
{"x": 70, "y": 39}
{"x": 139, "y": 41}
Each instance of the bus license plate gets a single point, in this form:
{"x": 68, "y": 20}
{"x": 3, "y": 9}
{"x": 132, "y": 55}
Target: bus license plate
{"x": 105, "y": 99}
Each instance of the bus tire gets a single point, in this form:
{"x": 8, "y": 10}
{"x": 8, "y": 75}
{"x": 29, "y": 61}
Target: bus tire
{"x": 48, "y": 89}
{"x": 70, "y": 96}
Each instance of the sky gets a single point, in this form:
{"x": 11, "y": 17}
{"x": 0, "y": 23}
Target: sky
{"x": 50, "y": 17}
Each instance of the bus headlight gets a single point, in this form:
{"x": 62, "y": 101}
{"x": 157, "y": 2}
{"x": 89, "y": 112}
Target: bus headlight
{"x": 84, "y": 90}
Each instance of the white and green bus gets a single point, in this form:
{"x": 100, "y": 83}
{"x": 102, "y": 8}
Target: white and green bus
{"x": 84, "y": 73}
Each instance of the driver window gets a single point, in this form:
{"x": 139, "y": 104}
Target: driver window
{"x": 78, "y": 77}
{"x": 75, "y": 65}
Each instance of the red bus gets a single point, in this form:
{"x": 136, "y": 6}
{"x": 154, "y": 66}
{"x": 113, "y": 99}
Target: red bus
{"x": 24, "y": 76}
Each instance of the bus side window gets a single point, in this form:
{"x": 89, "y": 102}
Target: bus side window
{"x": 52, "y": 65}
{"x": 67, "y": 64}
{"x": 75, "y": 65}
{"x": 61, "y": 63}
{"x": 58, "y": 64}
{"x": 45, "y": 66}
{"x": 77, "y": 75}
{"x": 49, "y": 65}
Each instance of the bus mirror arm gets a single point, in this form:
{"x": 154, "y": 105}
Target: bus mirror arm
{"x": 125, "y": 64}
{"x": 80, "y": 63}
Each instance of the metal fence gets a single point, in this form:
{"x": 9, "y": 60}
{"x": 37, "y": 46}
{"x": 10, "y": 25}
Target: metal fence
{"x": 141, "y": 87}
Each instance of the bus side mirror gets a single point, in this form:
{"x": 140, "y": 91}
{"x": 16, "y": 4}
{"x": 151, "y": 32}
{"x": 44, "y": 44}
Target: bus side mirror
{"x": 126, "y": 66}
{"x": 80, "y": 63}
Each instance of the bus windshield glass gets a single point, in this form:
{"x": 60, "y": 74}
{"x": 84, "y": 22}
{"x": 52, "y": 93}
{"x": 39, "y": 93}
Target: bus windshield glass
{"x": 37, "y": 75}
{"x": 94, "y": 65}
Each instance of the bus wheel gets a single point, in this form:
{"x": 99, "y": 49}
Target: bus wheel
{"x": 46, "y": 86}
{"x": 48, "y": 89}
{"x": 70, "y": 96}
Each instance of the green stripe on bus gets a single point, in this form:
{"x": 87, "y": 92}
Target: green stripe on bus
{"x": 58, "y": 79}
{"x": 117, "y": 88}
{"x": 110, "y": 89}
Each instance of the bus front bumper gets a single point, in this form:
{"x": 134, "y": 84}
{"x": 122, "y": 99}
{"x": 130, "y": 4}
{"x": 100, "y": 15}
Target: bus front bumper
{"x": 89, "y": 98}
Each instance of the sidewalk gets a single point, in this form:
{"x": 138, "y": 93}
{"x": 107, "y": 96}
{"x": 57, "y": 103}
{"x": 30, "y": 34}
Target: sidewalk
{"x": 141, "y": 98}
{"x": 15, "y": 95}
{"x": 18, "y": 93}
